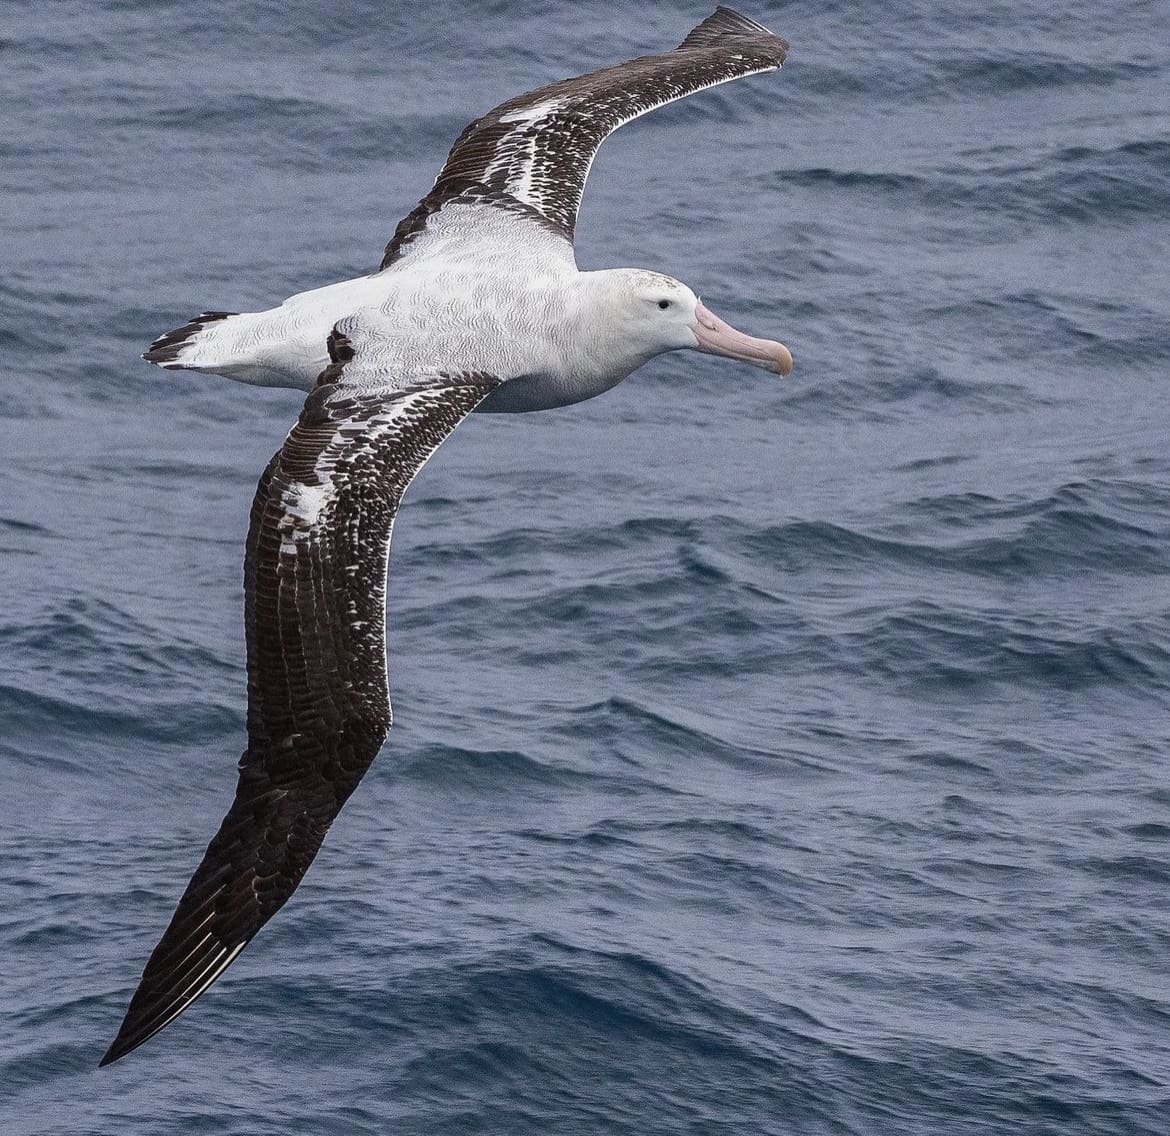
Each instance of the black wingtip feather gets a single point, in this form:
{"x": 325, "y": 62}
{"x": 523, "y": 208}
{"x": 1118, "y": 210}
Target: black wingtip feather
{"x": 126, "y": 1041}
{"x": 160, "y": 999}
{"x": 721, "y": 24}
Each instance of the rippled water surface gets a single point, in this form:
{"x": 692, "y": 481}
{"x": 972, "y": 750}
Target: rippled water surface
{"x": 769, "y": 756}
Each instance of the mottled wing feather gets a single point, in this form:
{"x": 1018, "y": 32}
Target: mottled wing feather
{"x": 530, "y": 156}
{"x": 318, "y": 700}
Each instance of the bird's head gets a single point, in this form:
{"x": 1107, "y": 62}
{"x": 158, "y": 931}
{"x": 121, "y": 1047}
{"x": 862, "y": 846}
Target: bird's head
{"x": 659, "y": 313}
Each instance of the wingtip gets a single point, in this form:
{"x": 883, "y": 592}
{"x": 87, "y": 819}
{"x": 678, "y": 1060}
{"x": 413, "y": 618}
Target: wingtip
{"x": 726, "y": 23}
{"x": 119, "y": 1047}
{"x": 111, "y": 1055}
{"x": 126, "y": 1041}
{"x": 149, "y": 1015}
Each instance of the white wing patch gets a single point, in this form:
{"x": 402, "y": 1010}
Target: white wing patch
{"x": 305, "y": 503}
{"x": 534, "y": 113}
{"x": 304, "y": 506}
{"x": 530, "y": 156}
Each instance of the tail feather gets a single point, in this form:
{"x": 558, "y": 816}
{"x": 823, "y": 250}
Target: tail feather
{"x": 166, "y": 350}
{"x": 277, "y": 348}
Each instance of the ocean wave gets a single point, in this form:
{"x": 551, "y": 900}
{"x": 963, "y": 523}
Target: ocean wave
{"x": 92, "y": 669}
{"x": 925, "y": 646}
{"x": 103, "y": 715}
{"x": 1097, "y": 185}
{"x": 1099, "y": 524}
{"x": 476, "y": 772}
{"x": 929, "y": 59}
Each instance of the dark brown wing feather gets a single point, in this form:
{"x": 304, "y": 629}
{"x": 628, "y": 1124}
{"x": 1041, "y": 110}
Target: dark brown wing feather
{"x": 531, "y": 155}
{"x": 318, "y": 702}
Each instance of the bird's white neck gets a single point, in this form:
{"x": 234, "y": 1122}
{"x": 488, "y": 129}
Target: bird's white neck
{"x": 587, "y": 346}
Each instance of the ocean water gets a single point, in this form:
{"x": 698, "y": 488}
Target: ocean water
{"x": 770, "y": 756}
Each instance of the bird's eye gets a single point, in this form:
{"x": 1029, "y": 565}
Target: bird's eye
{"x": 664, "y": 304}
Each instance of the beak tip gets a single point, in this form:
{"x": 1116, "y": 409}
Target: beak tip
{"x": 784, "y": 361}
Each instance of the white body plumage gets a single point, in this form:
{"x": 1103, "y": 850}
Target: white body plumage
{"x": 552, "y": 334}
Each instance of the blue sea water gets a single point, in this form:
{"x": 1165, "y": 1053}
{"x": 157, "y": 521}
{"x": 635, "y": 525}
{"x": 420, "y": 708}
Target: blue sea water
{"x": 769, "y": 756}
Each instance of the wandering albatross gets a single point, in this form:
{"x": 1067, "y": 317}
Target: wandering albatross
{"x": 477, "y": 304}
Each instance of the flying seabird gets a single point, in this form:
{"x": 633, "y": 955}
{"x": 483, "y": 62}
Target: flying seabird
{"x": 477, "y": 304}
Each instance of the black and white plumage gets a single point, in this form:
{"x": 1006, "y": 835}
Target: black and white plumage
{"x": 318, "y": 697}
{"x": 507, "y": 196}
{"x": 478, "y": 304}
{"x": 534, "y": 151}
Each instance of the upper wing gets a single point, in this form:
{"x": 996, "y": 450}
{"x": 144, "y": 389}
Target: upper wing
{"x": 530, "y": 156}
{"x": 318, "y": 700}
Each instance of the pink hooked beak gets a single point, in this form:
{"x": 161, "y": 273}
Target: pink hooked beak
{"x": 719, "y": 338}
